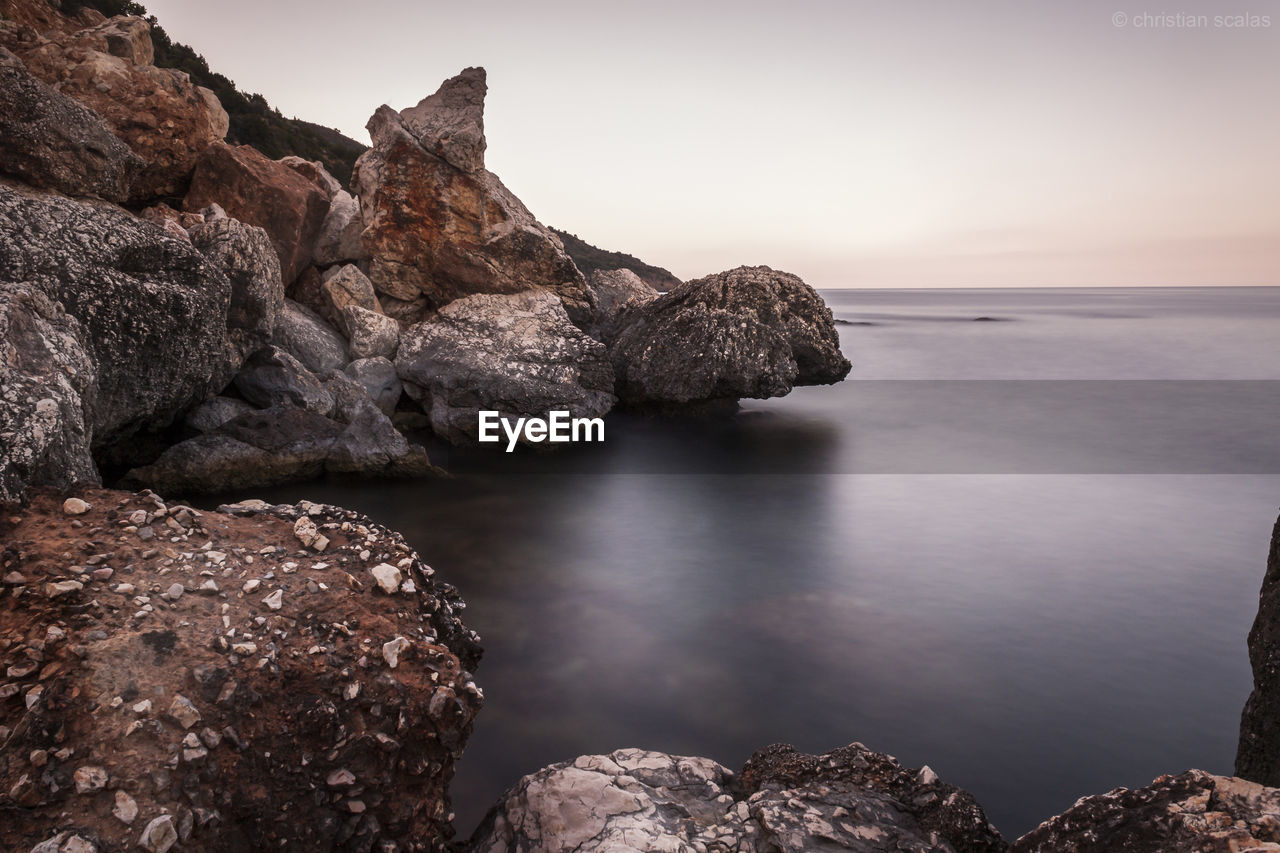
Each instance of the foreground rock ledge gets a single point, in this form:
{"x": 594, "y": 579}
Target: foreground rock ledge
{"x": 225, "y": 681}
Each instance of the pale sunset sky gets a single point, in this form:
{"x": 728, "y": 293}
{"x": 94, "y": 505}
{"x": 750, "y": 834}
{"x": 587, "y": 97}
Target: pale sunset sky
{"x": 895, "y": 143}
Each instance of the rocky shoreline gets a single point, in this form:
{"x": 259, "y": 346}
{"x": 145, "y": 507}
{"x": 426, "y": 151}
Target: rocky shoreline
{"x": 182, "y": 315}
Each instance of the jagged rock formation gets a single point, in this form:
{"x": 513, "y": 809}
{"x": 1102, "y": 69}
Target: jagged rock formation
{"x": 783, "y": 802}
{"x": 286, "y": 203}
{"x": 302, "y": 681}
{"x": 244, "y": 254}
{"x": 50, "y": 141}
{"x": 616, "y": 292}
{"x": 437, "y": 225}
{"x": 518, "y": 355}
{"x": 158, "y": 112}
{"x": 1258, "y": 753}
{"x": 748, "y": 332}
{"x": 1193, "y": 812}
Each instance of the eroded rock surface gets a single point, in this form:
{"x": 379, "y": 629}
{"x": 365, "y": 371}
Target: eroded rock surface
{"x": 215, "y": 681}
{"x": 784, "y": 802}
{"x": 518, "y": 355}
{"x": 748, "y": 332}
{"x": 1258, "y": 752}
{"x": 439, "y": 227}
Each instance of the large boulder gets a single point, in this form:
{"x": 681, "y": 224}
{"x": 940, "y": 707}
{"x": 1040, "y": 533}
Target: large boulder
{"x": 339, "y": 240}
{"x": 49, "y": 140}
{"x": 284, "y": 202}
{"x": 244, "y": 253}
{"x": 438, "y": 226}
{"x": 515, "y": 354}
{"x": 152, "y": 308}
{"x": 47, "y": 389}
{"x": 335, "y": 703}
{"x": 748, "y": 332}
{"x": 305, "y": 335}
{"x": 1193, "y": 811}
{"x": 158, "y": 112}
{"x": 377, "y": 376}
{"x": 371, "y": 333}
{"x": 616, "y": 292}
{"x": 272, "y": 377}
{"x": 1258, "y": 753}
{"x": 848, "y": 799}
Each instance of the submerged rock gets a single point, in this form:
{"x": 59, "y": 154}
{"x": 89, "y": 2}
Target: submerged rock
{"x": 1258, "y": 752}
{"x": 784, "y": 802}
{"x": 518, "y": 355}
{"x": 748, "y": 332}
{"x": 438, "y": 226}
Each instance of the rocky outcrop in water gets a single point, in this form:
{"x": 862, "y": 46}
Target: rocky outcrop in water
{"x": 158, "y": 112}
{"x": 748, "y": 332}
{"x": 1258, "y": 752}
{"x": 783, "y": 802}
{"x": 438, "y": 226}
{"x": 518, "y": 355}
{"x": 283, "y": 678}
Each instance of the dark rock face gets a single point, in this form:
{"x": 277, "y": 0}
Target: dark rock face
{"x": 303, "y": 334}
{"x": 518, "y": 355}
{"x": 49, "y": 140}
{"x": 47, "y": 389}
{"x": 1258, "y": 753}
{"x": 748, "y": 332}
{"x": 272, "y": 377}
{"x": 289, "y": 206}
{"x": 784, "y": 802}
{"x": 330, "y": 720}
{"x": 153, "y": 310}
{"x": 1193, "y": 811}
{"x": 437, "y": 225}
{"x": 244, "y": 253}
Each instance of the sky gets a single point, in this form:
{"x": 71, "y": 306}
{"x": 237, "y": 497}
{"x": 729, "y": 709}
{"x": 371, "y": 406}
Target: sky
{"x": 896, "y": 143}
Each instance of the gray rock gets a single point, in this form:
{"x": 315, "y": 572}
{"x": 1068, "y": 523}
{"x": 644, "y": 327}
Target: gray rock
{"x": 637, "y": 800}
{"x": 378, "y": 378}
{"x": 212, "y": 414}
{"x": 272, "y": 377}
{"x": 303, "y": 334}
{"x": 154, "y": 321}
{"x": 345, "y": 286}
{"x": 450, "y": 123}
{"x": 245, "y": 254}
{"x": 48, "y": 385}
{"x": 159, "y": 836}
{"x": 518, "y": 355}
{"x": 1193, "y": 811}
{"x": 49, "y": 140}
{"x": 339, "y": 241}
{"x": 748, "y": 332}
{"x": 617, "y": 291}
{"x": 372, "y": 335}
{"x": 1258, "y": 752}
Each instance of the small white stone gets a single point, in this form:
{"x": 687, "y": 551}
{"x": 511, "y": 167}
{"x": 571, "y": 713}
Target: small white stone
{"x": 275, "y": 600}
{"x": 90, "y": 779}
{"x": 75, "y": 506}
{"x": 126, "y": 809}
{"x": 392, "y": 650}
{"x": 388, "y": 577}
{"x": 341, "y": 779}
{"x": 160, "y": 836}
{"x": 251, "y": 584}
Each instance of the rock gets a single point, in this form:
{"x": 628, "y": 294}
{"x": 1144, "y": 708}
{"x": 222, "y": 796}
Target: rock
{"x": 339, "y": 241}
{"x": 160, "y": 836}
{"x": 392, "y": 650}
{"x": 212, "y": 414}
{"x": 517, "y": 354}
{"x": 66, "y": 842}
{"x": 75, "y": 506}
{"x": 1193, "y": 811}
{"x": 591, "y": 259}
{"x": 616, "y": 292}
{"x": 262, "y": 192}
{"x": 61, "y": 588}
{"x": 314, "y": 171}
{"x": 275, "y": 600}
{"x": 748, "y": 332}
{"x": 183, "y": 711}
{"x": 49, "y": 140}
{"x": 245, "y": 256}
{"x": 48, "y": 389}
{"x": 89, "y": 779}
{"x": 154, "y": 323}
{"x": 637, "y": 800}
{"x": 388, "y": 577}
{"x": 272, "y": 377}
{"x": 307, "y": 337}
{"x": 347, "y": 286}
{"x": 378, "y": 378}
{"x": 125, "y": 809}
{"x": 158, "y": 112}
{"x": 439, "y": 227}
{"x": 371, "y": 445}
{"x": 372, "y": 335}
{"x": 1258, "y": 751}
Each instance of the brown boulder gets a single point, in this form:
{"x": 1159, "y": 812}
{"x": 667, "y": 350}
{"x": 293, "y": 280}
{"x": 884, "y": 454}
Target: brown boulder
{"x": 158, "y": 112}
{"x": 438, "y": 225}
{"x": 287, "y": 205}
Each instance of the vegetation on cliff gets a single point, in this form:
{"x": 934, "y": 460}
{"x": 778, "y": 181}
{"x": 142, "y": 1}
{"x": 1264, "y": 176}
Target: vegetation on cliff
{"x": 589, "y": 259}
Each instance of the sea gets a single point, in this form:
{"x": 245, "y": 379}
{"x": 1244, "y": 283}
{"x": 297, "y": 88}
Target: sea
{"x": 1021, "y": 544}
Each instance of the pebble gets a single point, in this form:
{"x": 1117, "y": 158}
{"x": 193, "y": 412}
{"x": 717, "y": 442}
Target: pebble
{"x": 60, "y": 588}
{"x": 392, "y": 650}
{"x": 388, "y": 577}
{"x": 90, "y": 779}
{"x": 275, "y": 600}
{"x": 183, "y": 711}
{"x": 75, "y": 506}
{"x": 160, "y": 836}
{"x": 14, "y": 579}
{"x": 175, "y": 591}
{"x": 251, "y": 584}
{"x": 341, "y": 779}
{"x": 126, "y": 809}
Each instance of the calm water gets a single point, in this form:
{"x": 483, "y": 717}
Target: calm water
{"x": 1041, "y": 589}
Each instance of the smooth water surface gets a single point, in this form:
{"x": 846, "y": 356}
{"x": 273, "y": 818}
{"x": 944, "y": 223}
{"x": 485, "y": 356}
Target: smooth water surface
{"x": 1041, "y": 589}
